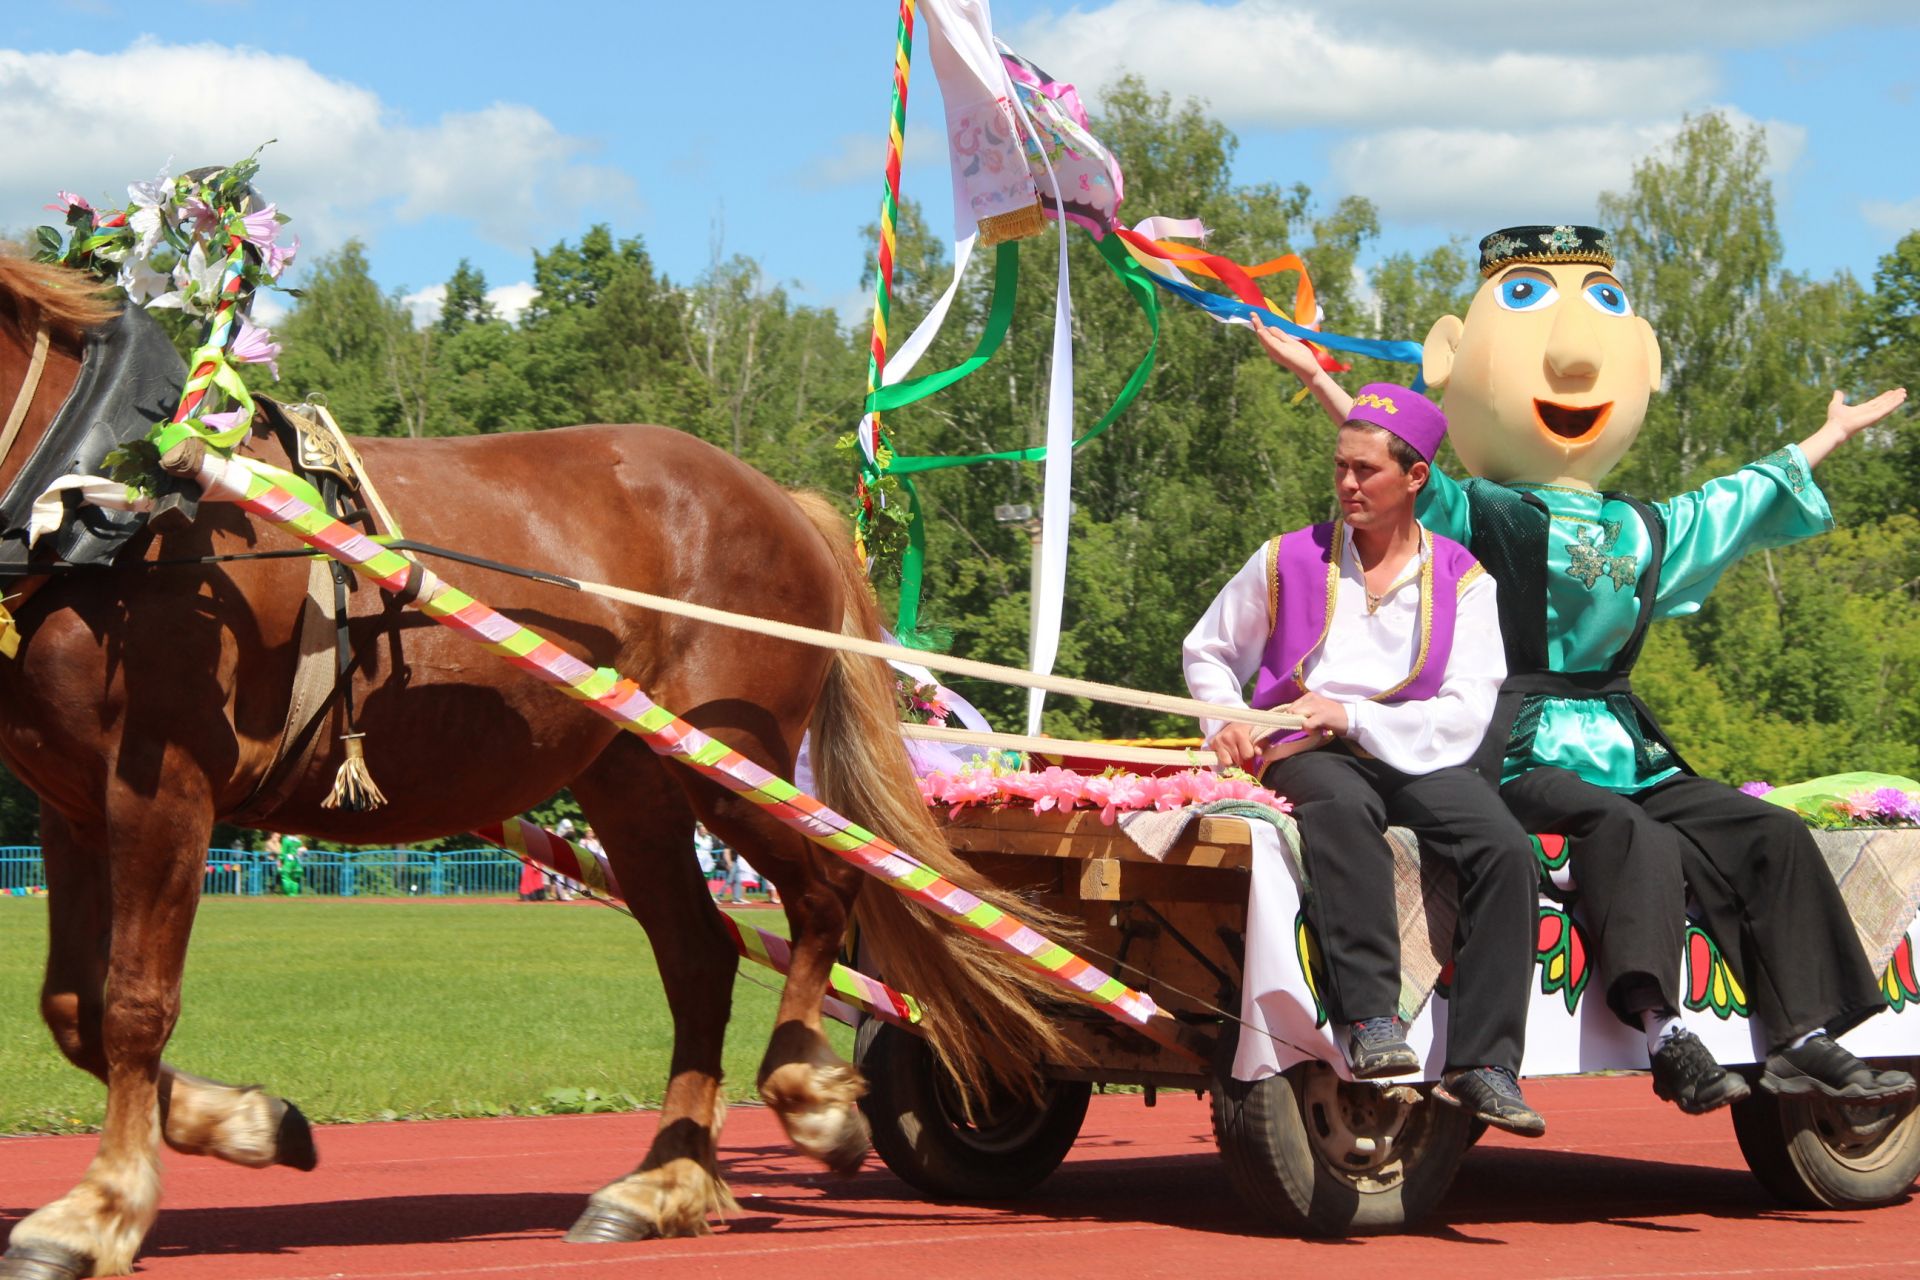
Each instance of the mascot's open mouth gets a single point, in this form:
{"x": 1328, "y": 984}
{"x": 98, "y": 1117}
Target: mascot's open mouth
{"x": 1574, "y": 425}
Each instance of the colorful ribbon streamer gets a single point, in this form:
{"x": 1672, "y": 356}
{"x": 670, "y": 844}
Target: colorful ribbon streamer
{"x": 869, "y": 429}
{"x": 531, "y": 842}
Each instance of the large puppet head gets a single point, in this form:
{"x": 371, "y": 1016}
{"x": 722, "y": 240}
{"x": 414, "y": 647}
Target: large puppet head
{"x": 1547, "y": 378}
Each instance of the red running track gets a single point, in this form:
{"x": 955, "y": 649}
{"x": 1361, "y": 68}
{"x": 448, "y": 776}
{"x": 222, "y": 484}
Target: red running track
{"x": 1623, "y": 1186}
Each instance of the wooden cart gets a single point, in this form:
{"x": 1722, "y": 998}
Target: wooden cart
{"x": 1306, "y": 1149}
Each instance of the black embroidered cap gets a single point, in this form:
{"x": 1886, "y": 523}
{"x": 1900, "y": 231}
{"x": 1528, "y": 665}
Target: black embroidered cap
{"x": 1545, "y": 244}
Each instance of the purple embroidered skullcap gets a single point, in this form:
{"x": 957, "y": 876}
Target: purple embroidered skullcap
{"x": 1405, "y": 413}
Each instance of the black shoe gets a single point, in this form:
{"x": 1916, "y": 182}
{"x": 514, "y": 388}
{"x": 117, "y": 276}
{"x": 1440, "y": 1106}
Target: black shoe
{"x": 1378, "y": 1047}
{"x": 1821, "y": 1066}
{"x": 1685, "y": 1074}
{"x": 1492, "y": 1095}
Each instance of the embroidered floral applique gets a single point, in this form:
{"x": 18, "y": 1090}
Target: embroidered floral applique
{"x": 1588, "y": 561}
{"x": 1789, "y": 465}
{"x": 1561, "y": 240}
{"x": 1499, "y": 247}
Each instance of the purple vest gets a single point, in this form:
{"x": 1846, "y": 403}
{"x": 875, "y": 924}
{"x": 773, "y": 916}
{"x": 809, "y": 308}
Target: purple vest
{"x": 1303, "y": 571}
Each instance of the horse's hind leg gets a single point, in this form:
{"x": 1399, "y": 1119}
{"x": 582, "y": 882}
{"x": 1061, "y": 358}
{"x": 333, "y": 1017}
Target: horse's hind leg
{"x": 643, "y": 820}
{"x": 809, "y": 1086}
{"x": 118, "y": 1026}
{"x": 240, "y": 1124}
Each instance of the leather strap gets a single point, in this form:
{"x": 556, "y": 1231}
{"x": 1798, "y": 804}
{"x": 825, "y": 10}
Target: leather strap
{"x": 23, "y": 399}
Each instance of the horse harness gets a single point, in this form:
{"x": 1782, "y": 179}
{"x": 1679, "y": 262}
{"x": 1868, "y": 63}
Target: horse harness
{"x": 130, "y": 378}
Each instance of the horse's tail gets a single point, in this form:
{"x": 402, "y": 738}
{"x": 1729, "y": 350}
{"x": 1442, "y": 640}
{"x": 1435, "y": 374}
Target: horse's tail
{"x": 984, "y": 1007}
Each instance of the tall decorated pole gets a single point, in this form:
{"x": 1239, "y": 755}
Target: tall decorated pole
{"x": 870, "y": 441}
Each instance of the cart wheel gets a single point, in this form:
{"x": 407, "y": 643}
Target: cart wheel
{"x": 1320, "y": 1155}
{"x": 1813, "y": 1152}
{"x": 922, "y": 1133}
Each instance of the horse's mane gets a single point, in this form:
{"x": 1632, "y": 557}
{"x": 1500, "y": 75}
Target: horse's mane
{"x": 65, "y": 299}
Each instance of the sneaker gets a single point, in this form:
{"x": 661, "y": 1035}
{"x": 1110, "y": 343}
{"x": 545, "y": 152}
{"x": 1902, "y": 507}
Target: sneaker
{"x": 1821, "y": 1066}
{"x": 1491, "y": 1094}
{"x": 1685, "y": 1074}
{"x": 1378, "y": 1047}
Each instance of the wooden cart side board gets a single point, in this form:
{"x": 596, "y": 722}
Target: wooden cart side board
{"x": 1221, "y": 842}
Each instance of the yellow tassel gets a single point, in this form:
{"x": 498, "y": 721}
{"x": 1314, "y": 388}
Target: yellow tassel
{"x": 353, "y": 787}
{"x": 1016, "y": 224}
{"x": 9, "y": 634}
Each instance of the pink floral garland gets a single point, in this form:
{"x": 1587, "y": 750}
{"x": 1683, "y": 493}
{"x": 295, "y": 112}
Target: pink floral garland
{"x": 1111, "y": 793}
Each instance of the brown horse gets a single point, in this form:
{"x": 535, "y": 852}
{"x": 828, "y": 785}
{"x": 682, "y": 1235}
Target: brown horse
{"x": 148, "y": 700}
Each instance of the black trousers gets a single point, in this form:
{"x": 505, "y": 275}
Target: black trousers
{"x": 1344, "y": 805}
{"x": 1764, "y": 891}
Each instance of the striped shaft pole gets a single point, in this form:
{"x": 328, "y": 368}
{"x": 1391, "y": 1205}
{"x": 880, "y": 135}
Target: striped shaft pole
{"x": 292, "y": 505}
{"x": 531, "y": 842}
{"x": 889, "y": 232}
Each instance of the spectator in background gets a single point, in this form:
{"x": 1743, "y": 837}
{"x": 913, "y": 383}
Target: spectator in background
{"x": 292, "y": 869}
{"x": 735, "y": 865}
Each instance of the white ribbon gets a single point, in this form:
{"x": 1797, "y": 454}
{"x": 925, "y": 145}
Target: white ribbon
{"x": 50, "y": 508}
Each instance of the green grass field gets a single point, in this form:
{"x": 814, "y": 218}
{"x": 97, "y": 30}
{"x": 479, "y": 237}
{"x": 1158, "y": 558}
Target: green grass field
{"x": 361, "y": 1010}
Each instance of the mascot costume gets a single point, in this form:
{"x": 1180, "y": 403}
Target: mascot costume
{"x": 1546, "y": 383}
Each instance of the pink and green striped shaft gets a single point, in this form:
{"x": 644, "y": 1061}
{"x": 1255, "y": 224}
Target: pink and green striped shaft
{"x": 290, "y": 504}
{"x": 533, "y": 843}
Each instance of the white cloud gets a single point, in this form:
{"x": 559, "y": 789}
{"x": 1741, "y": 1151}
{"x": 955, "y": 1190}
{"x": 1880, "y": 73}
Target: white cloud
{"x": 425, "y": 303}
{"x": 1261, "y": 62}
{"x": 1486, "y": 177}
{"x": 1895, "y": 218}
{"x": 862, "y": 157}
{"x": 344, "y": 162}
{"x": 508, "y": 300}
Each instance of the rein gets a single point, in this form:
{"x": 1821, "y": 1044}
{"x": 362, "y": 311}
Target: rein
{"x": 1116, "y": 695}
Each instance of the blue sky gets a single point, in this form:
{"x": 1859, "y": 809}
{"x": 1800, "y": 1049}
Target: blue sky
{"x": 482, "y": 130}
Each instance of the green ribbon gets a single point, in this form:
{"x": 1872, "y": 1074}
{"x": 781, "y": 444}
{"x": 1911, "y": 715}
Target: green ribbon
{"x": 1134, "y": 278}
{"x": 1006, "y": 281}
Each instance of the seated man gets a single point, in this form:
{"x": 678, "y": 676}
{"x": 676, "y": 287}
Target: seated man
{"x": 1386, "y": 639}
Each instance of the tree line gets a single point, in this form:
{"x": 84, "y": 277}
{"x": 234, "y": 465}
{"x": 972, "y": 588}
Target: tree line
{"x": 1805, "y": 661}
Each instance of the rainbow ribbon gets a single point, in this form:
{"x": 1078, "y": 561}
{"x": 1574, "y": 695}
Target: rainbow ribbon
{"x": 1162, "y": 258}
{"x": 211, "y": 369}
{"x": 290, "y": 504}
{"x": 872, "y": 441}
{"x": 531, "y": 842}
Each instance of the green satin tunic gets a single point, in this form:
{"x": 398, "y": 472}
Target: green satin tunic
{"x": 1596, "y": 551}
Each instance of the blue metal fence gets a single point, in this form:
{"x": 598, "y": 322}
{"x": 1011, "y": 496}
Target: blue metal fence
{"x": 381, "y": 873}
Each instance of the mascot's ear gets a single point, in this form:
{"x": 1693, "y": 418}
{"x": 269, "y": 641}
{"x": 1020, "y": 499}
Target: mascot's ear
{"x": 1436, "y": 356}
{"x": 1652, "y": 342}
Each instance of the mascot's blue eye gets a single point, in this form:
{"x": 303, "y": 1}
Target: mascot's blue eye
{"x": 1609, "y": 297}
{"x": 1526, "y": 293}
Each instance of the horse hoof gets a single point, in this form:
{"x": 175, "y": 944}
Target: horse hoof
{"x": 293, "y": 1141}
{"x": 608, "y": 1224}
{"x": 44, "y": 1262}
{"x": 851, "y": 1151}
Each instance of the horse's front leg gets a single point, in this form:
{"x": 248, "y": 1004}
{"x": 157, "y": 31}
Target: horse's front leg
{"x": 156, "y": 847}
{"x": 240, "y": 1124}
{"x": 646, "y": 826}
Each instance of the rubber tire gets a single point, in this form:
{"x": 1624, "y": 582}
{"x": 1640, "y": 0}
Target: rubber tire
{"x": 1271, "y": 1161}
{"x": 1791, "y": 1152}
{"x": 921, "y": 1134}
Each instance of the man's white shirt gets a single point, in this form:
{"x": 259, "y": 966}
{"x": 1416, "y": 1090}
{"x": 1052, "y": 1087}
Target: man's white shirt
{"x": 1363, "y": 654}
